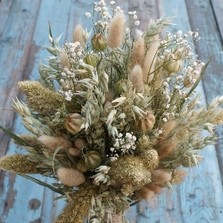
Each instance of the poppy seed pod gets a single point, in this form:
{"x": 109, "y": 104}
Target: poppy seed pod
{"x": 146, "y": 123}
{"x": 73, "y": 123}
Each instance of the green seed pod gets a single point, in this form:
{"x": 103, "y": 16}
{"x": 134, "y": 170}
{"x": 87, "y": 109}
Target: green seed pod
{"x": 81, "y": 166}
{"x": 91, "y": 59}
{"x": 122, "y": 85}
{"x": 146, "y": 123}
{"x": 98, "y": 42}
{"x": 90, "y": 160}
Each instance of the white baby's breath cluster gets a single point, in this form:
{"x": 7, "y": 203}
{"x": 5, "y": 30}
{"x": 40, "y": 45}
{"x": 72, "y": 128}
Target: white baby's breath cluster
{"x": 114, "y": 116}
{"x": 124, "y": 144}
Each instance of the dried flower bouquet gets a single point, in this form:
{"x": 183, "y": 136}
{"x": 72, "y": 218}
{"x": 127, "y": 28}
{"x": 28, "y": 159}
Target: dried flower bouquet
{"x": 114, "y": 115}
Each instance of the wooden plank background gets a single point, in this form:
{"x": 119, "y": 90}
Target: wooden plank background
{"x": 23, "y": 35}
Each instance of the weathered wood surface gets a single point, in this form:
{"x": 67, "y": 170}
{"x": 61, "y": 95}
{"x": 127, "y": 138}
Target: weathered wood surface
{"x": 23, "y": 35}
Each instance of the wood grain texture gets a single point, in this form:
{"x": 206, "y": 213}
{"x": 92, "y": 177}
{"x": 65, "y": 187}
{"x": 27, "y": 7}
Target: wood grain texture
{"x": 209, "y": 23}
{"x": 15, "y": 40}
{"x": 23, "y": 36}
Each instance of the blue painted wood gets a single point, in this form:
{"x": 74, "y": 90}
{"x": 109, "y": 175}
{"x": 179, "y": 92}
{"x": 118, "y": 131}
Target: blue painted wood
{"x": 15, "y": 39}
{"x": 211, "y": 48}
{"x": 198, "y": 199}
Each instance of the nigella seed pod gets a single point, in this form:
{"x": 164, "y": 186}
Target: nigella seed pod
{"x": 146, "y": 123}
{"x": 173, "y": 66}
{"x": 92, "y": 59}
{"x": 81, "y": 166}
{"x": 73, "y": 123}
{"x": 122, "y": 86}
{"x": 90, "y": 160}
{"x": 99, "y": 42}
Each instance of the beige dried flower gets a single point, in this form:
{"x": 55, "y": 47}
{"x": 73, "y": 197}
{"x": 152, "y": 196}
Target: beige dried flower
{"x": 161, "y": 177}
{"x": 178, "y": 176}
{"x": 136, "y": 77}
{"x": 64, "y": 60}
{"x": 92, "y": 59}
{"x": 218, "y": 119}
{"x": 146, "y": 194}
{"x": 116, "y": 30}
{"x": 117, "y": 218}
{"x": 19, "y": 164}
{"x": 53, "y": 142}
{"x": 138, "y": 51}
{"x": 40, "y": 98}
{"x": 154, "y": 187}
{"x": 146, "y": 123}
{"x": 167, "y": 128}
{"x": 73, "y": 123}
{"x": 166, "y": 147}
{"x": 70, "y": 177}
{"x": 150, "y": 60}
{"x": 79, "y": 35}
